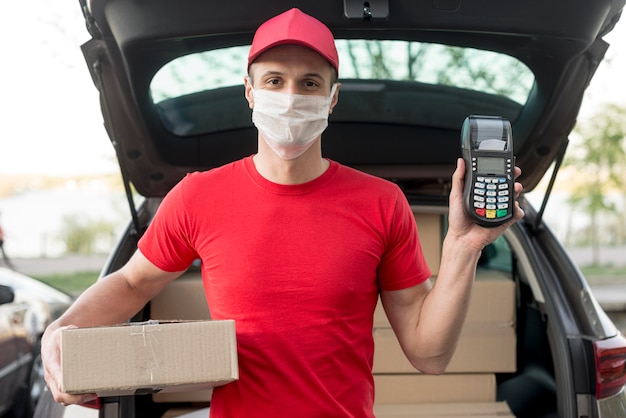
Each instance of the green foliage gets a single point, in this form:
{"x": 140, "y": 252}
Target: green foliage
{"x": 601, "y": 153}
{"x": 605, "y": 271}
{"x": 600, "y": 164}
{"x": 74, "y": 283}
{"x": 84, "y": 236}
{"x": 440, "y": 64}
{"x": 604, "y": 274}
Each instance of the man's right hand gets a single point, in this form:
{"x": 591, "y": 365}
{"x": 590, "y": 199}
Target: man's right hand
{"x": 51, "y": 358}
{"x": 111, "y": 300}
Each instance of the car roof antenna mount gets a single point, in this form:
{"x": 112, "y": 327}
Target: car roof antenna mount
{"x": 367, "y": 11}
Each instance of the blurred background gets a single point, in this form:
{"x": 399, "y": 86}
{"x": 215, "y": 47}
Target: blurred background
{"x": 62, "y": 203}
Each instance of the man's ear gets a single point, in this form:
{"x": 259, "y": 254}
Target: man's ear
{"x": 248, "y": 93}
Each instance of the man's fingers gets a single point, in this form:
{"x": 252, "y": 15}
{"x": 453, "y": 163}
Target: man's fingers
{"x": 50, "y": 355}
{"x": 65, "y": 399}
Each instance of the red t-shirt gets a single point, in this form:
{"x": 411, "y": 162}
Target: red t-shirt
{"x": 299, "y": 269}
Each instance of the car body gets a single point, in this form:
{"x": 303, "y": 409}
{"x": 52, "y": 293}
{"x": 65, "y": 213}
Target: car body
{"x": 170, "y": 79}
{"x": 29, "y": 307}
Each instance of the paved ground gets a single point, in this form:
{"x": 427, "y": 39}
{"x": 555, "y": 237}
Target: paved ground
{"x": 70, "y": 264}
{"x": 612, "y": 297}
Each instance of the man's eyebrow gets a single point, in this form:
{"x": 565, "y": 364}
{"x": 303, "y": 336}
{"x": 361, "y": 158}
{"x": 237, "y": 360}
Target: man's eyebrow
{"x": 269, "y": 73}
{"x": 318, "y": 75}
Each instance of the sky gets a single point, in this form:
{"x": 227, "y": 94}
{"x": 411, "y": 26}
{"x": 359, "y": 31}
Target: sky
{"x": 50, "y": 114}
{"x": 51, "y": 117}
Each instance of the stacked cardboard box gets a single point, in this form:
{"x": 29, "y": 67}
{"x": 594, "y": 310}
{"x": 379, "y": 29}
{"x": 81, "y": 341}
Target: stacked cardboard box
{"x": 487, "y": 346}
{"x": 188, "y": 288}
{"x": 487, "y": 343}
{"x": 467, "y": 389}
{"x": 421, "y": 388}
{"x": 444, "y": 410}
{"x": 430, "y": 232}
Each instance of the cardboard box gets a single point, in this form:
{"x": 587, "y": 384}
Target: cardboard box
{"x": 444, "y": 410}
{"x": 418, "y": 388}
{"x": 149, "y": 357}
{"x": 493, "y": 301}
{"x": 429, "y": 229}
{"x": 167, "y": 304}
{"x": 481, "y": 349}
{"x": 487, "y": 344}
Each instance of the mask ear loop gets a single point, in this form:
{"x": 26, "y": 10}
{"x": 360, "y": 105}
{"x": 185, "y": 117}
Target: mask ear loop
{"x": 333, "y": 90}
{"x": 251, "y": 88}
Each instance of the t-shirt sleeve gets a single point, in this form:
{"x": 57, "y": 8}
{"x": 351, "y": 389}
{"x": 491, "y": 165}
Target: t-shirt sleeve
{"x": 403, "y": 264}
{"x": 167, "y": 241}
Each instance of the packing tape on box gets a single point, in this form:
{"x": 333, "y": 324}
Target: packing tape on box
{"x": 147, "y": 333}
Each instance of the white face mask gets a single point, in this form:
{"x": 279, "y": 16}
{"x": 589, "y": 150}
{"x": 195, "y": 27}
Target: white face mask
{"x": 290, "y": 123}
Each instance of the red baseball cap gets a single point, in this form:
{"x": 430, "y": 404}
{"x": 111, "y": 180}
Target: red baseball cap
{"x": 295, "y": 27}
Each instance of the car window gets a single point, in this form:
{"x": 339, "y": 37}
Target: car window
{"x": 496, "y": 256}
{"x": 192, "y": 88}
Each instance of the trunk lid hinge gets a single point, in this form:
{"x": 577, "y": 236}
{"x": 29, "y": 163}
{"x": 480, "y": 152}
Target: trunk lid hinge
{"x": 90, "y": 22}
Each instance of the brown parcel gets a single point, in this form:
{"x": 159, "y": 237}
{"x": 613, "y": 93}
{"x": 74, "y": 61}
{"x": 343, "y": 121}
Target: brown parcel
{"x": 487, "y": 343}
{"x": 430, "y": 231}
{"x": 480, "y": 349}
{"x": 492, "y": 300}
{"x": 418, "y": 388}
{"x": 166, "y": 306}
{"x": 149, "y": 357}
{"x": 444, "y": 410}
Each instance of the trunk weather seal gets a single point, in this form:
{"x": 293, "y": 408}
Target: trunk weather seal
{"x": 96, "y": 71}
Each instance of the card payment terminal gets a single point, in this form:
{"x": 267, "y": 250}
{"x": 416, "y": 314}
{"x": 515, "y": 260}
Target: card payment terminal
{"x": 487, "y": 148}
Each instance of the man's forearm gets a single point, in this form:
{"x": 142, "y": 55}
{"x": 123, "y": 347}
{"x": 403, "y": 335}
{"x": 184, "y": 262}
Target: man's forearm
{"x": 109, "y": 301}
{"x": 445, "y": 307}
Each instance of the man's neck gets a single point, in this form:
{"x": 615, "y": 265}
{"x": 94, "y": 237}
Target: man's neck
{"x": 307, "y": 167}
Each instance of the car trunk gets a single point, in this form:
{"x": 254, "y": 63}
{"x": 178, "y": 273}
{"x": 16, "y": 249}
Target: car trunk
{"x": 520, "y": 356}
{"x": 507, "y": 361}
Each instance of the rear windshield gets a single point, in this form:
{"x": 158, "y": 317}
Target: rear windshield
{"x": 191, "y": 93}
